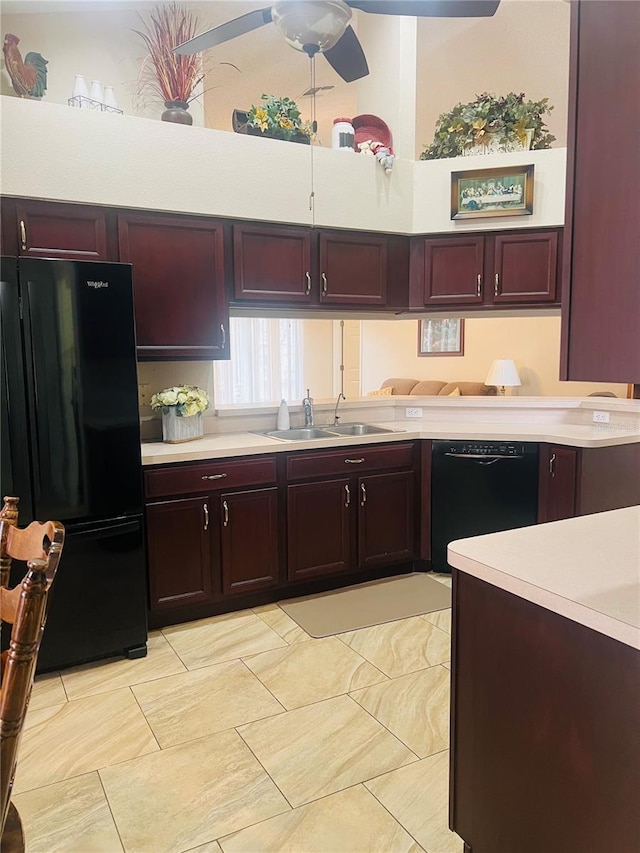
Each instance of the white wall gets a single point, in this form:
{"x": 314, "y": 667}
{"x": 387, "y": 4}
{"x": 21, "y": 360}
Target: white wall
{"x": 390, "y": 349}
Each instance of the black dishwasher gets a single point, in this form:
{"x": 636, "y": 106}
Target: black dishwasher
{"x": 480, "y": 487}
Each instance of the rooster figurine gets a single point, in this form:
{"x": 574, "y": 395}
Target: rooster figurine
{"x": 29, "y": 77}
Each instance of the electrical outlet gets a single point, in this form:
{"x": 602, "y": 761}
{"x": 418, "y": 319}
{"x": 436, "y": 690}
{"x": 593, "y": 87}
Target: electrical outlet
{"x": 413, "y": 413}
{"x": 144, "y": 395}
{"x": 601, "y": 417}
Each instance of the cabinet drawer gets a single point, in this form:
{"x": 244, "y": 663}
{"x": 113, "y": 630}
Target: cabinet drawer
{"x": 209, "y": 476}
{"x": 350, "y": 460}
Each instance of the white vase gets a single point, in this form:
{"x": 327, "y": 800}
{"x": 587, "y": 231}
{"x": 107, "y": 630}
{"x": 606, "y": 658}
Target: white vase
{"x": 110, "y": 97}
{"x": 96, "y": 93}
{"x": 80, "y": 88}
{"x": 176, "y": 429}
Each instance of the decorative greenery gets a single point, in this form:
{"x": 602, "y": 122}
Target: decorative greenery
{"x": 508, "y": 117}
{"x": 163, "y": 73}
{"x": 188, "y": 399}
{"x": 278, "y": 117}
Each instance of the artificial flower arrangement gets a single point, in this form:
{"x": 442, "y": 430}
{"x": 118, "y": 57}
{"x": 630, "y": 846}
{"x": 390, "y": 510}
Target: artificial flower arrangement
{"x": 508, "y": 117}
{"x": 278, "y": 118}
{"x": 188, "y": 400}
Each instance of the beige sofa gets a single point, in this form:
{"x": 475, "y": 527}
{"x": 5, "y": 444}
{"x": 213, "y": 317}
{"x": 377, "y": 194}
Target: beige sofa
{"x": 434, "y": 387}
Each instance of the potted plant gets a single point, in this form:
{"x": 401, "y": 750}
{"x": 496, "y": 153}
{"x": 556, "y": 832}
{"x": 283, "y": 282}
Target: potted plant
{"x": 163, "y": 73}
{"x": 490, "y": 124}
{"x": 182, "y": 408}
{"x": 278, "y": 118}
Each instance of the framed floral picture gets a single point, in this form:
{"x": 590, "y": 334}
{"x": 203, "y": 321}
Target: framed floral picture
{"x": 492, "y": 192}
{"x": 441, "y": 337}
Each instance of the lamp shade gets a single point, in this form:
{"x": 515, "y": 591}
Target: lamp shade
{"x": 503, "y": 372}
{"x": 310, "y": 23}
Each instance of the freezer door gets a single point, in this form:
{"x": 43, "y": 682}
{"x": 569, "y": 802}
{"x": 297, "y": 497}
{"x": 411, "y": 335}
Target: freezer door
{"x": 98, "y": 603}
{"x": 82, "y": 383}
{"x": 15, "y": 477}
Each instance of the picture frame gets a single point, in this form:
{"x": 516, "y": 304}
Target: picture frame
{"x": 440, "y": 337}
{"x": 484, "y": 193}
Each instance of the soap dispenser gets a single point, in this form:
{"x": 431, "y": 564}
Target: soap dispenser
{"x": 284, "y": 422}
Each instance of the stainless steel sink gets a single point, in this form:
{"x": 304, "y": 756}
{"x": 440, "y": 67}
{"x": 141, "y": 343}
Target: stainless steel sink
{"x": 357, "y": 429}
{"x": 301, "y": 434}
{"x": 309, "y": 433}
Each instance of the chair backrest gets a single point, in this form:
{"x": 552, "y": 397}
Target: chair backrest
{"x": 39, "y": 545}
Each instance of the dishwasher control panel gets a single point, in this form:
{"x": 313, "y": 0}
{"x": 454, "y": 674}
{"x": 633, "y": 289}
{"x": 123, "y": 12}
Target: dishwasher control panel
{"x": 490, "y": 448}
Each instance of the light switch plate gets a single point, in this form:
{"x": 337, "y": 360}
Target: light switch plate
{"x": 144, "y": 395}
{"x": 413, "y": 413}
{"x": 601, "y": 417}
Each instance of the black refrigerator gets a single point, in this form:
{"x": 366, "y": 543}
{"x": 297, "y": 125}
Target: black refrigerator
{"x": 71, "y": 446}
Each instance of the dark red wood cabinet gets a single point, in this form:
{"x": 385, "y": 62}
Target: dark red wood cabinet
{"x": 42, "y": 229}
{"x": 292, "y": 265}
{"x": 179, "y": 553}
{"x": 178, "y": 284}
{"x": 223, "y": 540}
{"x": 484, "y": 270}
{"x": 601, "y": 292}
{"x": 353, "y": 522}
{"x": 583, "y": 480}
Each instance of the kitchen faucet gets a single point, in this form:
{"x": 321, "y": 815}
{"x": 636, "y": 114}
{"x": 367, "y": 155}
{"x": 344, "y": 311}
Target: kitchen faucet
{"x": 307, "y": 408}
{"x": 336, "y": 416}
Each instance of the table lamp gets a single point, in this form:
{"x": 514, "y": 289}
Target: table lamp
{"x": 503, "y": 373}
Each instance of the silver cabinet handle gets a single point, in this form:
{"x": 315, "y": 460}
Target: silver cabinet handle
{"x": 363, "y": 492}
{"x": 496, "y": 284}
{"x": 23, "y": 236}
{"x": 214, "y": 476}
{"x": 225, "y": 507}
{"x": 552, "y": 465}
{"x": 479, "y": 285}
{"x": 347, "y": 492}
{"x": 206, "y": 516}
{"x": 324, "y": 283}
{"x": 308, "y": 288}
{"x": 354, "y": 461}
{"x": 223, "y": 336}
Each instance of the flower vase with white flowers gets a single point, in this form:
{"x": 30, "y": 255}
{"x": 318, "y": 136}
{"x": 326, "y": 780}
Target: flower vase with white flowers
{"x": 182, "y": 408}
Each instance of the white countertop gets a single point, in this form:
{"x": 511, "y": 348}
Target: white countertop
{"x": 585, "y": 568}
{"x": 221, "y": 446}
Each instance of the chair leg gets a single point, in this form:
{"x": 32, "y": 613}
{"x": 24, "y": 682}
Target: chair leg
{"x": 12, "y": 835}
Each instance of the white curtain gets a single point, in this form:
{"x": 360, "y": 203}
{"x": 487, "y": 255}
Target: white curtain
{"x": 266, "y": 362}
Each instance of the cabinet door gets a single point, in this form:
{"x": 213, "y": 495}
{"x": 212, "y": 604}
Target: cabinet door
{"x": 525, "y": 267}
{"x": 353, "y": 269}
{"x": 319, "y": 528}
{"x": 451, "y": 270}
{"x": 600, "y": 340}
{"x": 272, "y": 264}
{"x": 558, "y": 482}
{"x": 49, "y": 230}
{"x": 178, "y": 544}
{"x": 178, "y": 285}
{"x": 386, "y": 525}
{"x": 249, "y": 540}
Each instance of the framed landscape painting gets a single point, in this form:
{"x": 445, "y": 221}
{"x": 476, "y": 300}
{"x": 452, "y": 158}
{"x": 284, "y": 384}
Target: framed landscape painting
{"x": 441, "y": 337}
{"x": 492, "y": 192}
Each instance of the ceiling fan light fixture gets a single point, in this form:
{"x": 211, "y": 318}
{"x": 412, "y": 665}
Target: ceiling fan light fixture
{"x": 307, "y": 23}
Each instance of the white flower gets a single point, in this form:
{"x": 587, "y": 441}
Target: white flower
{"x": 188, "y": 400}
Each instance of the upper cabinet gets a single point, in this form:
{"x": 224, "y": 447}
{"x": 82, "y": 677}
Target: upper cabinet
{"x": 601, "y": 307}
{"x": 489, "y": 270}
{"x": 178, "y": 285}
{"x": 336, "y": 269}
{"x": 39, "y": 229}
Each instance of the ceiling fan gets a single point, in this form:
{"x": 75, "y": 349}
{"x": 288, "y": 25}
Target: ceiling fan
{"x": 322, "y": 26}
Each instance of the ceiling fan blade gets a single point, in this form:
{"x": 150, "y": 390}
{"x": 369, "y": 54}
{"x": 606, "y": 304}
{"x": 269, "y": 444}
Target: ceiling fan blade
{"x": 226, "y": 32}
{"x": 347, "y": 58}
{"x": 428, "y": 8}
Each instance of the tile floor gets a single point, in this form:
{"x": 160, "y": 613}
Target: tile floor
{"x": 241, "y": 733}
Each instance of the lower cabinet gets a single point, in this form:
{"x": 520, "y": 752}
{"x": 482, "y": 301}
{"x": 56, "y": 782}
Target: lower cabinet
{"x": 558, "y": 482}
{"x": 222, "y": 542}
{"x": 340, "y": 525}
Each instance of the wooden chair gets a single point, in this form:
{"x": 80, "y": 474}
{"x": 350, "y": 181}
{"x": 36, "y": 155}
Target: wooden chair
{"x": 24, "y": 607}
